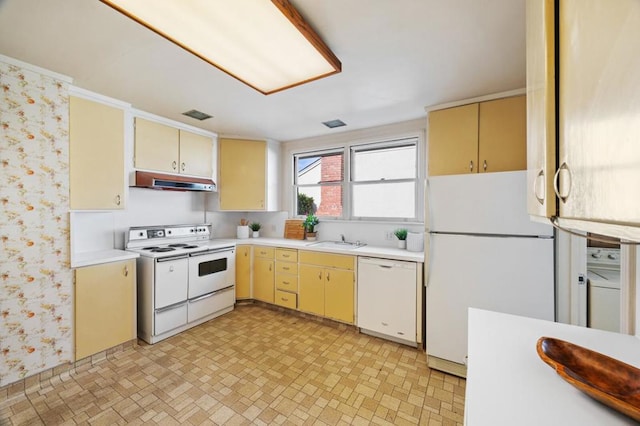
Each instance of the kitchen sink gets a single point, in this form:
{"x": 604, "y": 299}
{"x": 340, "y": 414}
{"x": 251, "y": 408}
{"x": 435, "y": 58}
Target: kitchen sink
{"x": 339, "y": 245}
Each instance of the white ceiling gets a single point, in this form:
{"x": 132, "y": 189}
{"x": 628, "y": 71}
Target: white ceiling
{"x": 398, "y": 56}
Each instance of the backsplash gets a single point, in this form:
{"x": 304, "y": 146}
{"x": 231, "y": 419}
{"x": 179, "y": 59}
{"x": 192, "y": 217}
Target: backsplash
{"x": 36, "y": 296}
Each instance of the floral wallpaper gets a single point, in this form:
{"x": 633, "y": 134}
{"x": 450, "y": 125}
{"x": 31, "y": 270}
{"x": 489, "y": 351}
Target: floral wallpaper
{"x": 36, "y": 282}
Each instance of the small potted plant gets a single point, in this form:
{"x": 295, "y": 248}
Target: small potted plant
{"x": 255, "y": 227}
{"x": 309, "y": 224}
{"x": 401, "y": 235}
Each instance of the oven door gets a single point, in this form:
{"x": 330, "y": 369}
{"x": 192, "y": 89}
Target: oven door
{"x": 211, "y": 271}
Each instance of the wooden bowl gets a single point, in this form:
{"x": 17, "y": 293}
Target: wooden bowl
{"x": 603, "y": 378}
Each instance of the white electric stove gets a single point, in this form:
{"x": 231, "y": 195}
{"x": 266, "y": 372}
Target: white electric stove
{"x": 184, "y": 278}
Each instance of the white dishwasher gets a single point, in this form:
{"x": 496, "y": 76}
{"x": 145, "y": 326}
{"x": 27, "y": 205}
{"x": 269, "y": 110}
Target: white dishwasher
{"x": 387, "y": 300}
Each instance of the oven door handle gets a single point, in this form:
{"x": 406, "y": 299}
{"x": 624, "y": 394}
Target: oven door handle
{"x": 170, "y": 307}
{"x": 169, "y": 259}
{"x": 213, "y": 293}
{"x": 215, "y": 251}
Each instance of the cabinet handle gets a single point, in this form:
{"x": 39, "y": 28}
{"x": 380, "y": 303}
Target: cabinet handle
{"x": 174, "y": 165}
{"x": 471, "y": 165}
{"x": 484, "y": 165}
{"x": 556, "y": 182}
{"x": 269, "y": 267}
{"x": 118, "y": 199}
{"x": 183, "y": 166}
{"x": 320, "y": 276}
{"x": 328, "y": 276}
{"x": 536, "y": 187}
{"x": 126, "y": 271}
{"x": 245, "y": 254}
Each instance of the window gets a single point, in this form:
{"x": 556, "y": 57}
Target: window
{"x": 365, "y": 181}
{"x": 319, "y": 183}
{"x": 384, "y": 180}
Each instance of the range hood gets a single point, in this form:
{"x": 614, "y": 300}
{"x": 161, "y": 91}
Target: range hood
{"x": 173, "y": 182}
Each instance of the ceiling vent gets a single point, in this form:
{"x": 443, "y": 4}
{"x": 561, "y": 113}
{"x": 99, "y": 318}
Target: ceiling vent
{"x": 194, "y": 113}
{"x": 334, "y": 123}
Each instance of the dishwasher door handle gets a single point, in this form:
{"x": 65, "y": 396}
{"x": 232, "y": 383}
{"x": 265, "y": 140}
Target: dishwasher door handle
{"x": 386, "y": 266}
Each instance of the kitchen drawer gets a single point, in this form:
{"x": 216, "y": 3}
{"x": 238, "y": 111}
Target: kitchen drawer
{"x": 286, "y": 268}
{"x": 210, "y": 303}
{"x": 286, "y": 299}
{"x": 329, "y": 260}
{"x": 266, "y": 252}
{"x": 170, "y": 317}
{"x": 287, "y": 255}
{"x": 287, "y": 282}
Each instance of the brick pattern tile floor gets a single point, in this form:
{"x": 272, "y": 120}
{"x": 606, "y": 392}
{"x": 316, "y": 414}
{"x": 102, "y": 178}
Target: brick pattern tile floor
{"x": 254, "y": 365}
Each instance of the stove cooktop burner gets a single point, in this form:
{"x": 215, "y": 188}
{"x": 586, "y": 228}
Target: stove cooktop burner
{"x": 178, "y": 245}
{"x": 162, "y": 249}
{"x": 150, "y": 248}
{"x": 189, "y": 247}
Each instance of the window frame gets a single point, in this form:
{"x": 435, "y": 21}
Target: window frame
{"x": 342, "y": 184}
{"x": 346, "y": 149}
{"x": 372, "y": 146}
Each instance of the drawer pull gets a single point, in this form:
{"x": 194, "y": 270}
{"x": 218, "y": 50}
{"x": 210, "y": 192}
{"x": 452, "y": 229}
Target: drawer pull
{"x": 286, "y": 282}
{"x": 286, "y": 268}
{"x": 401, "y": 333}
{"x": 385, "y": 324}
{"x": 286, "y": 255}
{"x": 284, "y": 300}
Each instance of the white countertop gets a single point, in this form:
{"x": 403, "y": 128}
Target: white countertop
{"x": 508, "y": 383}
{"x": 370, "y": 251}
{"x": 105, "y": 256}
{"x": 102, "y": 256}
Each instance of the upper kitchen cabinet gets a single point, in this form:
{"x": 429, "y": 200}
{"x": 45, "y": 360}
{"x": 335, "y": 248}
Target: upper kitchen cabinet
{"x": 480, "y": 137}
{"x": 168, "y": 149}
{"x": 96, "y": 152}
{"x": 598, "y": 96}
{"x": 541, "y": 108}
{"x": 243, "y": 174}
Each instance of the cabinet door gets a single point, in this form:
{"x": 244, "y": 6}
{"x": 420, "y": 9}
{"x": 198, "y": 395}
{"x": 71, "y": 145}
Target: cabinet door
{"x": 311, "y": 289}
{"x": 263, "y": 279}
{"x": 502, "y": 140}
{"x": 541, "y": 109}
{"x": 599, "y": 109}
{"x": 338, "y": 296}
{"x": 196, "y": 154}
{"x": 96, "y": 154}
{"x": 243, "y": 167}
{"x": 105, "y": 297}
{"x": 453, "y": 140}
{"x": 156, "y": 146}
{"x": 243, "y": 272}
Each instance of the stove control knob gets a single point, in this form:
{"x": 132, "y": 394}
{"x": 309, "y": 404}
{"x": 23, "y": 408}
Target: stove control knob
{"x": 597, "y": 255}
{"x": 612, "y": 256}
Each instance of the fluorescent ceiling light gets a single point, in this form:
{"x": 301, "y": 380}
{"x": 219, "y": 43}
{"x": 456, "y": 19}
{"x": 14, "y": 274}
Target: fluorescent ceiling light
{"x": 266, "y": 44}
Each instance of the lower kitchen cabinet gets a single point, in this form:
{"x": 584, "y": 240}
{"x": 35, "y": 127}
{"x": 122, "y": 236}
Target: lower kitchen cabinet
{"x": 287, "y": 278}
{"x": 243, "y": 272}
{"x": 263, "y": 274}
{"x": 311, "y": 289}
{"x": 105, "y": 306}
{"x": 338, "y": 295}
{"x": 326, "y": 284}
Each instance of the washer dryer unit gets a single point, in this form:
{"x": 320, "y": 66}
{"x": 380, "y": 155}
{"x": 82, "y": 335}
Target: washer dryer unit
{"x": 603, "y": 274}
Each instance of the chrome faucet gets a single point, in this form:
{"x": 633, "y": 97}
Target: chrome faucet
{"x": 342, "y": 238}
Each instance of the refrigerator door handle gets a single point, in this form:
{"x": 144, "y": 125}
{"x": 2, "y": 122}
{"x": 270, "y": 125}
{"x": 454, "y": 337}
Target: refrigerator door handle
{"x": 428, "y": 262}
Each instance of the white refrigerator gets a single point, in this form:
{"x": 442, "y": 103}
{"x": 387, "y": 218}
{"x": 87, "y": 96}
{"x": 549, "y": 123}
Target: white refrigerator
{"x": 484, "y": 252}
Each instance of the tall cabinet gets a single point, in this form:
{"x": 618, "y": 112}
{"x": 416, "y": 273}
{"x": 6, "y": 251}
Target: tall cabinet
{"x": 598, "y": 166}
